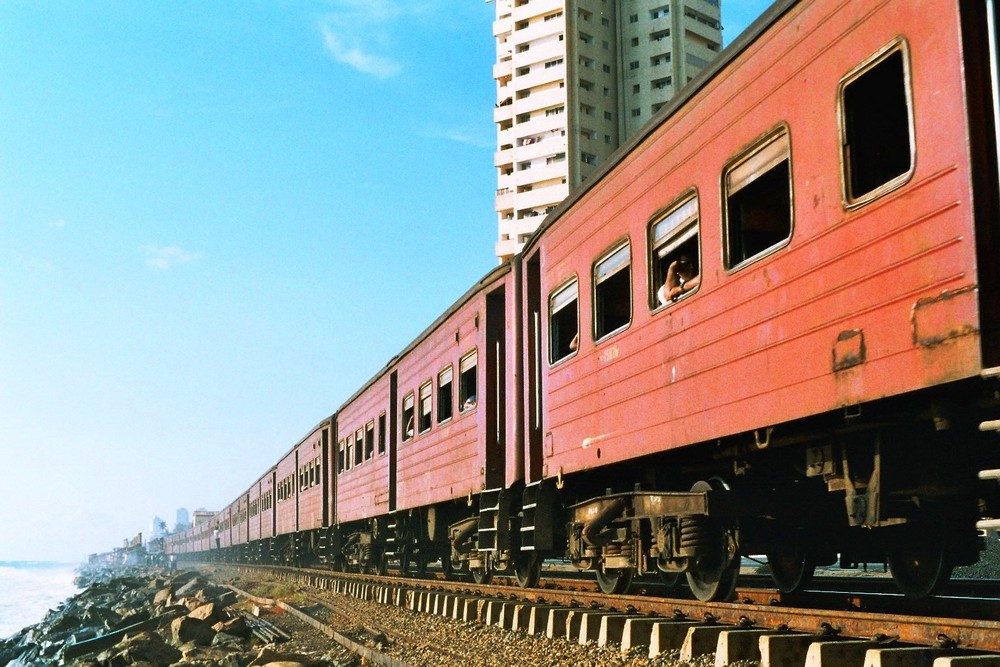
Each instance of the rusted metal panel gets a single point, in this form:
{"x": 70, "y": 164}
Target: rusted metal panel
{"x": 939, "y": 319}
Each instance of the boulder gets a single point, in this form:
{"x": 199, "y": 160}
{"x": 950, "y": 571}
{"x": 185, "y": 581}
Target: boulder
{"x": 187, "y": 629}
{"x": 163, "y": 596}
{"x": 190, "y": 588}
{"x": 269, "y": 656}
{"x": 235, "y": 626}
{"x": 144, "y": 647}
{"x": 208, "y": 612}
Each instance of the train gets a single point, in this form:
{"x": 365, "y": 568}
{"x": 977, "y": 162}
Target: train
{"x": 768, "y": 325}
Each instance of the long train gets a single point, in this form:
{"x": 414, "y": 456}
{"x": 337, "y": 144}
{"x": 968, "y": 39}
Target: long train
{"x": 768, "y": 325}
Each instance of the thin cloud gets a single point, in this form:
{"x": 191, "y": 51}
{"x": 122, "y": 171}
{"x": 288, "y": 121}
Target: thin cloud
{"x": 462, "y": 136}
{"x": 163, "y": 258}
{"x": 357, "y": 34}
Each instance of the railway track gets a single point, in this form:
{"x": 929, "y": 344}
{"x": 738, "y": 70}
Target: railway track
{"x": 772, "y": 632}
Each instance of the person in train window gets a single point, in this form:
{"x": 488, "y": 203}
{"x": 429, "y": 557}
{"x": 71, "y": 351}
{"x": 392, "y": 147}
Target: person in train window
{"x": 470, "y": 402}
{"x": 682, "y": 277}
{"x": 408, "y": 431}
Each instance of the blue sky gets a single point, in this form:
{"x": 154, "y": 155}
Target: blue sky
{"x": 217, "y": 220}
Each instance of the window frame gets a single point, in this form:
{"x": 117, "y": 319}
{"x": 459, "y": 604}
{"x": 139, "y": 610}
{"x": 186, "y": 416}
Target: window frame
{"x": 744, "y": 157}
{"x": 901, "y": 46}
{"x": 370, "y": 428}
{"x": 573, "y": 280}
{"x": 680, "y": 234}
{"x": 411, "y": 397}
{"x": 429, "y": 387}
{"x": 615, "y": 248}
{"x": 462, "y": 399}
{"x": 380, "y": 438}
{"x": 450, "y": 370}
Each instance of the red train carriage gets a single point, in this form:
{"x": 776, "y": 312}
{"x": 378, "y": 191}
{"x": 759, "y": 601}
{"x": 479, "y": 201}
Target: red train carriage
{"x": 260, "y": 510}
{"x": 300, "y": 495}
{"x": 362, "y": 475}
{"x": 424, "y": 439}
{"x": 773, "y": 299}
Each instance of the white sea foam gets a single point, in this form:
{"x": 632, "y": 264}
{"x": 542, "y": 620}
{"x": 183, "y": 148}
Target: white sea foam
{"x": 29, "y": 589}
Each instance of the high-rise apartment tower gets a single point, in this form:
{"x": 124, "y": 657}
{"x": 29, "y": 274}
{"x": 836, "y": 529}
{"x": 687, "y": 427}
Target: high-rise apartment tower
{"x": 575, "y": 79}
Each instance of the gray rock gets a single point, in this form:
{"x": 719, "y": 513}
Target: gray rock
{"x": 187, "y": 629}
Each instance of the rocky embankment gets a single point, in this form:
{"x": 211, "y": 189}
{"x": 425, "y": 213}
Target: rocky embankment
{"x": 152, "y": 619}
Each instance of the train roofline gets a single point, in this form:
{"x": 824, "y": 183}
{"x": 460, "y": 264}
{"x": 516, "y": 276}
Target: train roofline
{"x": 682, "y": 98}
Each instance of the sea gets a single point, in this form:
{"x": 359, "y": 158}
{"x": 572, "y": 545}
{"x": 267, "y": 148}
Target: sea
{"x": 29, "y": 589}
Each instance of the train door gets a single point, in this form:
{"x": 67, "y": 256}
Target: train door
{"x": 981, "y": 38}
{"x": 495, "y": 389}
{"x": 393, "y": 423}
{"x": 534, "y": 393}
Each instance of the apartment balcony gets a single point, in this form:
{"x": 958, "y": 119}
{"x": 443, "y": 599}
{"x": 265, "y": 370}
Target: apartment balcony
{"x": 544, "y": 145}
{"x": 500, "y": 26}
{"x": 537, "y": 126}
{"x": 503, "y": 112}
{"x": 507, "y": 247}
{"x": 504, "y": 199}
{"x": 538, "y": 54}
{"x": 538, "y": 173}
{"x": 540, "y": 29}
{"x": 541, "y": 198}
{"x": 706, "y": 32}
{"x": 505, "y": 137}
{"x": 503, "y": 69}
{"x": 542, "y": 100}
{"x": 535, "y": 8}
{"x": 503, "y": 157}
{"x": 541, "y": 75}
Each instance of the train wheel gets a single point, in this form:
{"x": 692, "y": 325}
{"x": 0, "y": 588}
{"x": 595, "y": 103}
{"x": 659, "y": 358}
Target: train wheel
{"x": 672, "y": 580}
{"x": 713, "y": 577}
{"x": 792, "y": 571}
{"x": 527, "y": 570}
{"x": 919, "y": 571}
{"x": 614, "y": 581}
{"x": 482, "y": 575}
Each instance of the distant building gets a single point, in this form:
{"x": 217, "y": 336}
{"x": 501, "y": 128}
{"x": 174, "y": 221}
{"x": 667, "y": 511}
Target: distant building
{"x": 158, "y": 528}
{"x": 182, "y": 521}
{"x": 575, "y": 79}
{"x": 201, "y": 517}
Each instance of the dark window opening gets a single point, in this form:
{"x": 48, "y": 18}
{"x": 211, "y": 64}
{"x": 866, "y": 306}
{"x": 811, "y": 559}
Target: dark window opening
{"x": 425, "y": 408}
{"x": 758, "y": 203}
{"x": 444, "y": 395}
{"x": 876, "y": 130}
{"x": 381, "y": 434}
{"x": 467, "y": 395}
{"x": 350, "y": 452}
{"x": 369, "y": 440}
{"x": 408, "y": 424}
{"x": 612, "y": 293}
{"x": 674, "y": 242}
{"x": 359, "y": 446}
{"x": 564, "y": 323}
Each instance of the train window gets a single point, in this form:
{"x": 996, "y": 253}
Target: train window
{"x": 444, "y": 395}
{"x": 467, "y": 395}
{"x": 876, "y": 126}
{"x": 425, "y": 407}
{"x": 408, "y": 417}
{"x": 758, "y": 211}
{"x": 673, "y": 242}
{"x": 350, "y": 451}
{"x": 369, "y": 440}
{"x": 612, "y": 292}
{"x": 340, "y": 457}
{"x": 381, "y": 434}
{"x": 359, "y": 439}
{"x": 564, "y": 322}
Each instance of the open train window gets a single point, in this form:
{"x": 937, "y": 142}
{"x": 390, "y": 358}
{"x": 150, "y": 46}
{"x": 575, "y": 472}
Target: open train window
{"x": 359, "y": 439}
{"x": 612, "y": 292}
{"x": 675, "y": 265}
{"x": 758, "y": 198}
{"x": 369, "y": 440}
{"x": 424, "y": 424}
{"x": 876, "y": 126}
{"x": 341, "y": 457}
{"x": 350, "y": 451}
{"x": 564, "y": 322}
{"x": 408, "y": 417}
{"x": 381, "y": 434}
{"x": 467, "y": 395}
{"x": 445, "y": 394}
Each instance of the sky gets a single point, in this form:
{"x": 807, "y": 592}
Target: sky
{"x": 217, "y": 221}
